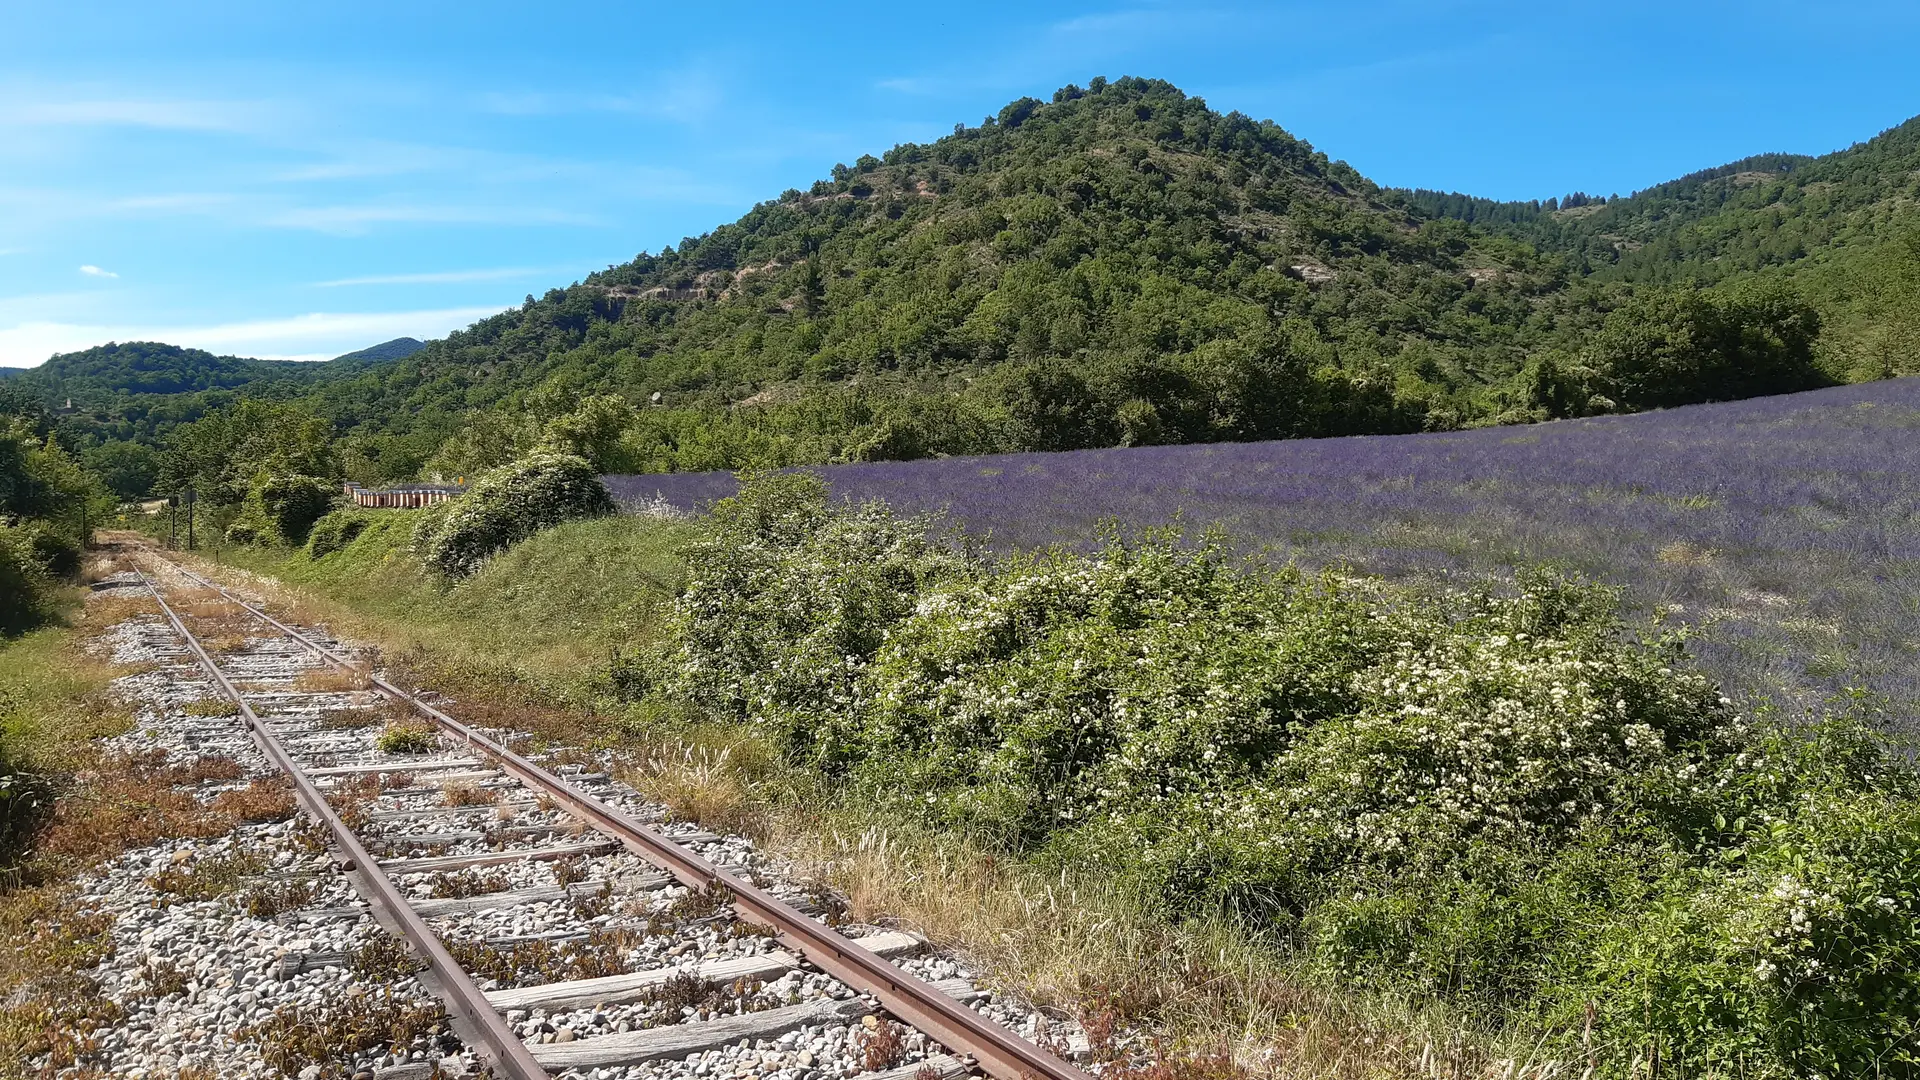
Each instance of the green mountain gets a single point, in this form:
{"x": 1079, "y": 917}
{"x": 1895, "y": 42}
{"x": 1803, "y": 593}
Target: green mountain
{"x": 1123, "y": 264}
{"x": 397, "y": 349}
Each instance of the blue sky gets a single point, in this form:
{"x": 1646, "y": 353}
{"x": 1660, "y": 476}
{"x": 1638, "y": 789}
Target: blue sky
{"x": 264, "y": 180}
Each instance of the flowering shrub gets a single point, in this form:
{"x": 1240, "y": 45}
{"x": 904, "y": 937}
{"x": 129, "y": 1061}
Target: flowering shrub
{"x": 786, "y": 601}
{"x": 506, "y": 506}
{"x": 1501, "y": 798}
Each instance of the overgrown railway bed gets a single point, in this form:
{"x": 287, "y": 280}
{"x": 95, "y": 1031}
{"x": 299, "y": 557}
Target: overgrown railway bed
{"x": 537, "y": 900}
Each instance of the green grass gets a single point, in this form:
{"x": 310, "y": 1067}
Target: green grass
{"x": 546, "y": 615}
{"x": 52, "y": 694}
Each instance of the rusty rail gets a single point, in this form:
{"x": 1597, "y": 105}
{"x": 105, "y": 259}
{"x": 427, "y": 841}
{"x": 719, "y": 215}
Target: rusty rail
{"x": 498, "y": 1044}
{"x": 998, "y": 1051}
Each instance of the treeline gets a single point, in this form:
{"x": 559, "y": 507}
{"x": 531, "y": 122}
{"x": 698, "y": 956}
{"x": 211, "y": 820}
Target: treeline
{"x": 1660, "y": 347}
{"x": 49, "y": 503}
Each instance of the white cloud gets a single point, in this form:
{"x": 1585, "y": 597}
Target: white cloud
{"x": 444, "y": 277}
{"x": 93, "y": 271}
{"x": 300, "y": 337}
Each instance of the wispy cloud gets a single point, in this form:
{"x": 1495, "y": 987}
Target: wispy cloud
{"x": 443, "y": 277}
{"x": 93, "y": 271}
{"x": 689, "y": 96}
{"x": 311, "y": 336}
{"x": 355, "y": 220}
{"x": 916, "y": 86}
{"x": 227, "y": 116}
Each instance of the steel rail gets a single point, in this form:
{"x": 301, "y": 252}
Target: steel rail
{"x": 500, "y": 1046}
{"x": 999, "y": 1052}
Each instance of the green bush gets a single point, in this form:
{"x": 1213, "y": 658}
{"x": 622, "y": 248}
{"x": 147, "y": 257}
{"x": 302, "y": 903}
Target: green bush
{"x": 335, "y": 531}
{"x": 26, "y": 591}
{"x": 787, "y": 599}
{"x": 56, "y": 551}
{"x": 1502, "y": 798}
{"x": 406, "y": 738}
{"x": 506, "y": 506}
{"x": 281, "y": 510}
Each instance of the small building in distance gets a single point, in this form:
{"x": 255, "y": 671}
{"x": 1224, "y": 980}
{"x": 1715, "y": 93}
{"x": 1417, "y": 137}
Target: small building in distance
{"x": 402, "y": 496}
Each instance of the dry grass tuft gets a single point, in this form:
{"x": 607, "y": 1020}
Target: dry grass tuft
{"x": 526, "y": 963}
{"x": 130, "y": 801}
{"x": 107, "y": 610}
{"x": 710, "y": 786}
{"x": 210, "y": 706}
{"x": 330, "y": 1035}
{"x": 268, "y": 899}
{"x": 50, "y": 1004}
{"x": 223, "y": 642}
{"x": 261, "y": 801}
{"x": 701, "y": 903}
{"x": 351, "y": 796}
{"x": 686, "y": 991}
{"x": 352, "y": 719}
{"x": 568, "y": 871}
{"x": 880, "y": 1046}
{"x": 467, "y": 795}
{"x": 460, "y": 884}
{"x": 385, "y": 958}
{"x": 206, "y": 879}
{"x": 1683, "y": 553}
{"x": 162, "y": 979}
{"x": 213, "y": 768}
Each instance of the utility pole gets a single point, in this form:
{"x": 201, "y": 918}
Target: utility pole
{"x": 173, "y": 523}
{"x": 190, "y": 504}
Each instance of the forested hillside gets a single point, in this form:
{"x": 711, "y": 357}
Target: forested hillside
{"x": 1124, "y": 265}
{"x": 1120, "y": 265}
{"x": 1842, "y": 230}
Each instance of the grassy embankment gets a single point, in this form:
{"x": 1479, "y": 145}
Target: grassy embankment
{"x": 528, "y": 638}
{"x": 64, "y": 807}
{"x": 539, "y": 622}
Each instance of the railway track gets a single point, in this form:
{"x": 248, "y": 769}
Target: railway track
{"x": 564, "y": 934}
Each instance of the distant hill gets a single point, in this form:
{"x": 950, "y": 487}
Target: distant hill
{"x": 397, "y": 349}
{"x": 95, "y": 375}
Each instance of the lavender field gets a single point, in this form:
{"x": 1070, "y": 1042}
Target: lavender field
{"x": 1786, "y": 530}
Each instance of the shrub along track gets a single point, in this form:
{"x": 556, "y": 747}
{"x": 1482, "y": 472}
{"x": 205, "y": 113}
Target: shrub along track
{"x": 547, "y": 888}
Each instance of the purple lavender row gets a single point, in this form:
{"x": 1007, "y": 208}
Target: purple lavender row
{"x": 1790, "y": 525}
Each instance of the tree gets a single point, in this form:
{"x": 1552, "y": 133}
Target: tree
{"x": 1685, "y": 344}
{"x": 1050, "y": 407}
{"x": 223, "y": 454}
{"x": 592, "y": 431}
{"x": 127, "y": 468}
